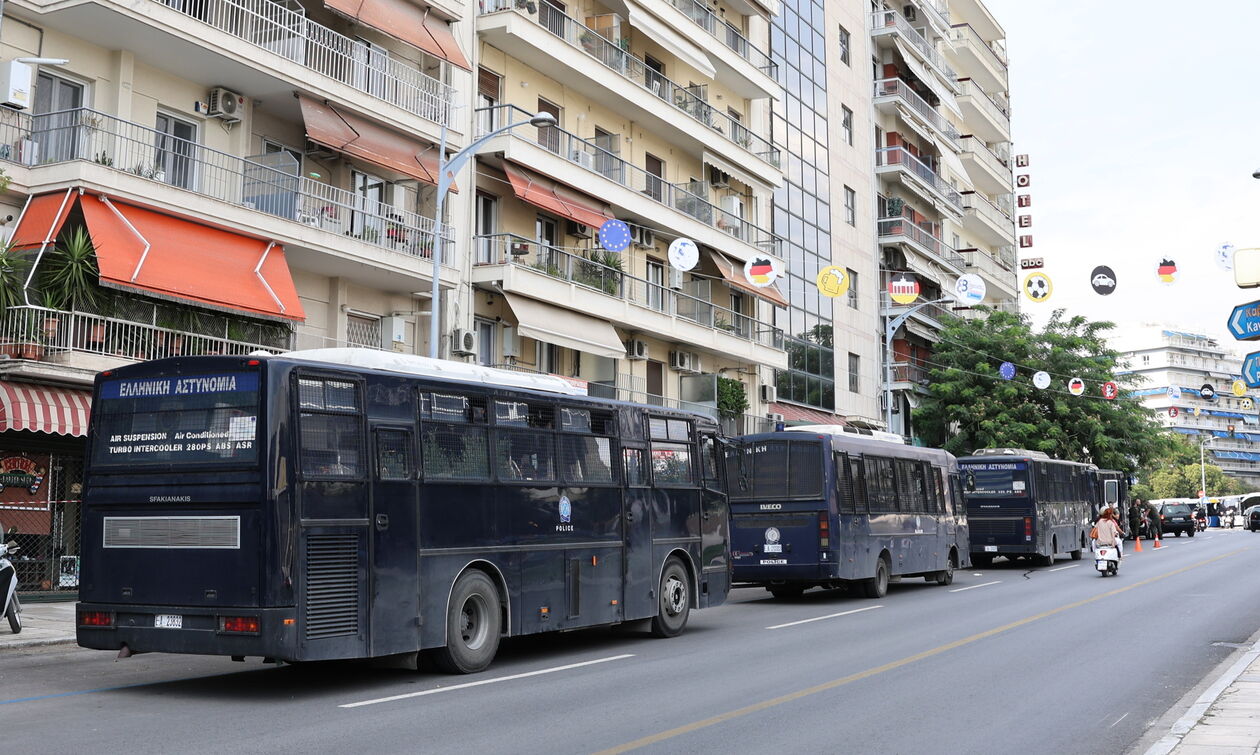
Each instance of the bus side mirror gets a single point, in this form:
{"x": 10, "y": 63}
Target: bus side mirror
{"x": 969, "y": 481}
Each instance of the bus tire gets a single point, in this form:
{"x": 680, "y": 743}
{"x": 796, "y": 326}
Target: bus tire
{"x": 946, "y": 576}
{"x": 673, "y": 604}
{"x": 877, "y": 586}
{"x": 473, "y": 623}
{"x": 1048, "y": 559}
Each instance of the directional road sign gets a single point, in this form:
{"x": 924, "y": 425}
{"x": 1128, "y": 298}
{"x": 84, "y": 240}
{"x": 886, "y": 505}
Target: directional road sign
{"x": 1244, "y": 322}
{"x": 1251, "y": 370}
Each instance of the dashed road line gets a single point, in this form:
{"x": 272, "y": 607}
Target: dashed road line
{"x": 820, "y": 618}
{"x": 982, "y": 584}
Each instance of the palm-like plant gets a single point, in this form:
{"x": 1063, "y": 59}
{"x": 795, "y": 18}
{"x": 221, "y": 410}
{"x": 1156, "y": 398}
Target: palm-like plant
{"x": 70, "y": 273}
{"x": 13, "y": 270}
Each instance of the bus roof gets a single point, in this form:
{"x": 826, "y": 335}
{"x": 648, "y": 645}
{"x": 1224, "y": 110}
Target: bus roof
{"x": 847, "y": 430}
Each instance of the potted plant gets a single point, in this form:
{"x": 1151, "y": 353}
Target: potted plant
{"x": 70, "y": 274}
{"x": 732, "y": 398}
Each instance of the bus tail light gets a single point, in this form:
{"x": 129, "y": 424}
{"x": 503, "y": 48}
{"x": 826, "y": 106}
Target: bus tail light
{"x": 824, "y": 530}
{"x": 239, "y": 624}
{"x": 96, "y": 619}
{"x": 1028, "y": 526}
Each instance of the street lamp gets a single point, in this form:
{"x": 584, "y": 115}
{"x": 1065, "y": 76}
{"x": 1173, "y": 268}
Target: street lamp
{"x": 890, "y": 330}
{"x": 447, "y": 168}
{"x": 1203, "y": 469}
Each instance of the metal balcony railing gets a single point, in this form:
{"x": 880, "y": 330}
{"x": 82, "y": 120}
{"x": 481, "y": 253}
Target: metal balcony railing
{"x": 938, "y": 9}
{"x": 728, "y": 35}
{"x": 991, "y": 160}
{"x": 997, "y": 110}
{"x": 998, "y": 262}
{"x": 964, "y": 34}
{"x": 689, "y": 100}
{"x": 900, "y": 157}
{"x": 909, "y": 372}
{"x": 901, "y": 90}
{"x": 269, "y": 183}
{"x": 983, "y": 207}
{"x": 290, "y": 34}
{"x": 890, "y": 227}
{"x": 935, "y": 312}
{"x": 565, "y": 265}
{"x": 885, "y": 21}
{"x": 685, "y": 198}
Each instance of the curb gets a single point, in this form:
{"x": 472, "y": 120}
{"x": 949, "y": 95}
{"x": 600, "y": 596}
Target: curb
{"x": 1199, "y": 709}
{"x": 37, "y": 642}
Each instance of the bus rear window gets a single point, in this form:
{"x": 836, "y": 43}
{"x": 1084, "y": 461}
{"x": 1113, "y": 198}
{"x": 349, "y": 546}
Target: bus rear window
{"x": 177, "y": 420}
{"x": 1006, "y": 479}
{"x": 775, "y": 470}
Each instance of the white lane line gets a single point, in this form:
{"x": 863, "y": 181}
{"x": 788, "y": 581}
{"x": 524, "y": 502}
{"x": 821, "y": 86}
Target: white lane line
{"x": 466, "y": 685}
{"x": 1061, "y": 568}
{"x": 820, "y": 618}
{"x": 1118, "y": 720}
{"x": 982, "y": 584}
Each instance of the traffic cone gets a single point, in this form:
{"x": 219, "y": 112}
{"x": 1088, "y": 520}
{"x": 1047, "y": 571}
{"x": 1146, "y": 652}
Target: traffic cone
{"x": 1157, "y": 543}
{"x": 1137, "y": 545}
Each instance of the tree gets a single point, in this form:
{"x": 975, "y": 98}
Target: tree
{"x": 1183, "y": 482}
{"x": 970, "y": 406}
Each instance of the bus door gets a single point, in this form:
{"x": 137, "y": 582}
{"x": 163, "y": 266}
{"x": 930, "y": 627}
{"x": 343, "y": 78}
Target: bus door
{"x": 714, "y": 521}
{"x": 640, "y": 574}
{"x": 393, "y": 523}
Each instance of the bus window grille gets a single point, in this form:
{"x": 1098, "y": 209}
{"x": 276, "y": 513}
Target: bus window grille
{"x": 332, "y": 586}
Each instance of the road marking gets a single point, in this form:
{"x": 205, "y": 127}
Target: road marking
{"x": 481, "y": 682}
{"x": 820, "y": 618}
{"x": 1118, "y": 720}
{"x": 982, "y": 584}
{"x": 833, "y": 684}
{"x": 1061, "y": 568}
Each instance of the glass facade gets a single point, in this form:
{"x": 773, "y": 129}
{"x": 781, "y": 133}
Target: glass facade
{"x": 802, "y": 205}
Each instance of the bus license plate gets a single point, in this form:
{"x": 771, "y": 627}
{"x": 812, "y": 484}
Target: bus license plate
{"x": 773, "y": 561}
{"x": 168, "y": 621}
{"x": 773, "y": 548}
{"x": 990, "y": 549}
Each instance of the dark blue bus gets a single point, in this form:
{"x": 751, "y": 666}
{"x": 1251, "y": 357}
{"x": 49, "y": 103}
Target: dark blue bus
{"x": 344, "y": 503}
{"x": 1024, "y": 504}
{"x": 820, "y": 506}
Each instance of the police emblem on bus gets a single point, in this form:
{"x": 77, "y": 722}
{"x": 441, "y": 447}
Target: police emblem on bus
{"x": 772, "y": 534}
{"x": 566, "y": 510}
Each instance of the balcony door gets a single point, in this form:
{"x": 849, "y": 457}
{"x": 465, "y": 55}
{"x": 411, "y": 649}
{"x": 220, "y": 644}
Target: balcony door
{"x": 656, "y": 285}
{"x": 174, "y": 148}
{"x": 655, "y": 382}
{"x": 549, "y": 136}
{"x": 369, "y": 196}
{"x": 487, "y": 222}
{"x": 547, "y": 234}
{"x": 655, "y": 168}
{"x": 55, "y": 132}
{"x": 371, "y": 61}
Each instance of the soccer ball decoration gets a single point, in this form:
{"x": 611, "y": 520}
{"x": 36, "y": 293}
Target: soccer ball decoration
{"x": 1037, "y": 287}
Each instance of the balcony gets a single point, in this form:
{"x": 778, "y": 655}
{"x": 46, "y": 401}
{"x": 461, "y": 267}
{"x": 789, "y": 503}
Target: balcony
{"x": 915, "y": 111}
{"x": 565, "y": 48}
{"x": 604, "y": 174}
{"x": 890, "y": 23}
{"x": 987, "y": 220}
{"x": 909, "y": 376}
{"x": 936, "y": 14}
{"x": 989, "y": 172}
{"x": 919, "y": 177}
{"x": 998, "y": 267}
{"x": 569, "y": 279}
{"x": 979, "y": 60}
{"x": 977, "y": 14}
{"x": 988, "y": 117}
{"x": 933, "y": 316}
{"x": 762, "y": 72}
{"x": 902, "y": 231}
{"x": 283, "y": 49}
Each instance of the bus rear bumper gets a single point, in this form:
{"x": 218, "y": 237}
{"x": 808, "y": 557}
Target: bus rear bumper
{"x": 201, "y": 631}
{"x": 783, "y": 573}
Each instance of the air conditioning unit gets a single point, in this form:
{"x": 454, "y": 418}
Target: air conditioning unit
{"x": 581, "y": 157}
{"x": 574, "y": 228}
{"x": 511, "y": 344}
{"x": 769, "y": 393}
{"x": 225, "y": 104}
{"x": 636, "y": 350}
{"x": 910, "y": 12}
{"x": 734, "y": 205}
{"x": 464, "y": 342}
{"x": 641, "y": 236}
{"x": 684, "y": 361}
{"x": 719, "y": 178}
{"x": 675, "y": 278}
{"x": 774, "y": 417}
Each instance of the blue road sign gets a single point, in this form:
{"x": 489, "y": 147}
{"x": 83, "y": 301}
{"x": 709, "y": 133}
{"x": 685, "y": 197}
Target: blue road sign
{"x": 1251, "y": 370}
{"x": 1244, "y": 322}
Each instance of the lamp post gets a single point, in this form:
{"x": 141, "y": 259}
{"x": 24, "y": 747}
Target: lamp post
{"x": 890, "y": 330}
{"x": 447, "y": 168}
{"x": 1203, "y": 469}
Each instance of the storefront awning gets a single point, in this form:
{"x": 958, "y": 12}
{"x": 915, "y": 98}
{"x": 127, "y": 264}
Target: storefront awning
{"x": 733, "y": 273}
{"x": 555, "y": 197}
{"x": 42, "y": 218}
{"x": 660, "y": 33}
{"x": 172, "y": 258}
{"x": 412, "y": 24}
{"x": 564, "y": 327}
{"x": 361, "y": 138}
{"x": 44, "y": 409}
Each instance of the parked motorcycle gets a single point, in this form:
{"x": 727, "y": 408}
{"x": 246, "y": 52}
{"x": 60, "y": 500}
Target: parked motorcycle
{"x": 9, "y": 582}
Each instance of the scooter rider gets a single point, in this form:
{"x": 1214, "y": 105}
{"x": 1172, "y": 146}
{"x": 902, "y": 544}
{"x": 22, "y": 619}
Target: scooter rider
{"x": 1108, "y": 532}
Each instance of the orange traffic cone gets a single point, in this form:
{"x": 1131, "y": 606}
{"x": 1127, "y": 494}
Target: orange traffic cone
{"x": 1137, "y": 545}
{"x": 1157, "y": 543}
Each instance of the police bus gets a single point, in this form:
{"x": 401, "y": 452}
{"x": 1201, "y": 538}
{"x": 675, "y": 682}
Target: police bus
{"x": 1024, "y": 504}
{"x": 822, "y": 505}
{"x": 345, "y": 503}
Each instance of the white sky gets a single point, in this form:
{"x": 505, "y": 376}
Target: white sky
{"x": 1140, "y": 122}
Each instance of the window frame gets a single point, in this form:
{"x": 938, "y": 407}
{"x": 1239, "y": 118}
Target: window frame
{"x": 359, "y": 414}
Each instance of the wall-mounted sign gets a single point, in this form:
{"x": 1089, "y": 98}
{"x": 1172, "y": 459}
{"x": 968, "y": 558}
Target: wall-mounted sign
{"x": 1023, "y": 200}
{"x": 1037, "y": 287}
{"x": 833, "y": 281}
{"x": 1032, "y": 263}
{"x": 1025, "y": 242}
{"x": 1025, "y": 221}
{"x": 1021, "y": 161}
{"x": 1103, "y": 280}
{"x": 903, "y": 288}
{"x": 1023, "y": 180}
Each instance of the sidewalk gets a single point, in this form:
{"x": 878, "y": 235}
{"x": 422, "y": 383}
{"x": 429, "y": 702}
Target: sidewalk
{"x": 42, "y": 624}
{"x": 1225, "y": 720}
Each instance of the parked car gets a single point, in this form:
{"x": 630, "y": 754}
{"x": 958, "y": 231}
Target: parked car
{"x": 1177, "y": 518}
{"x": 1251, "y": 518}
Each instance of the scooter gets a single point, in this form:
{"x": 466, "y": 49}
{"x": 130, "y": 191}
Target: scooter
{"x": 9, "y": 583}
{"x": 1200, "y": 524}
{"x": 1106, "y": 560}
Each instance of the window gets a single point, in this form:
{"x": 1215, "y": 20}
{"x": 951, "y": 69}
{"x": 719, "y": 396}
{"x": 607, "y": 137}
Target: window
{"x": 853, "y": 288}
{"x": 330, "y": 438}
{"x": 671, "y": 464}
{"x": 655, "y": 167}
{"x": 632, "y": 458}
{"x": 549, "y": 136}
{"x": 845, "y": 44}
{"x": 881, "y": 484}
{"x": 487, "y": 224}
{"x": 855, "y": 372}
{"x": 393, "y": 455}
{"x": 850, "y": 206}
{"x": 489, "y": 87}
{"x": 174, "y": 151}
{"x": 846, "y": 124}
{"x": 454, "y": 443}
{"x": 486, "y": 331}
{"x": 524, "y": 455}
{"x": 363, "y": 331}
{"x": 586, "y": 458}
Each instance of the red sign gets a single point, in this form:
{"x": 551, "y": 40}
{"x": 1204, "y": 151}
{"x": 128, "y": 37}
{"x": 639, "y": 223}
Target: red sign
{"x": 1025, "y": 242}
{"x": 1173, "y": 411}
{"x": 23, "y": 496}
{"x": 1110, "y": 390}
{"x": 1025, "y": 221}
{"x": 1023, "y": 200}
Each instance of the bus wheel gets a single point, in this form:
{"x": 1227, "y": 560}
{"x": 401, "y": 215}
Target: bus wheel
{"x": 472, "y": 625}
{"x": 674, "y": 604}
{"x": 784, "y": 592}
{"x": 946, "y": 577}
{"x": 877, "y": 586}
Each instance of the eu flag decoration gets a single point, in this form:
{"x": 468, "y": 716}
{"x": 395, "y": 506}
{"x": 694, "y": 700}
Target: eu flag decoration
{"x": 614, "y": 235}
{"x": 1007, "y": 371}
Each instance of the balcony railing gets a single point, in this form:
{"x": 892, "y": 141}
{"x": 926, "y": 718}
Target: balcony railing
{"x": 684, "y": 198}
{"x": 689, "y": 100}
{"x": 991, "y": 160}
{"x": 270, "y": 183}
{"x": 964, "y": 34}
{"x": 561, "y": 264}
{"x": 935, "y": 312}
{"x": 900, "y": 89}
{"x": 900, "y": 157}
{"x": 889, "y": 227}
{"x": 938, "y": 9}
{"x": 890, "y": 19}
{"x": 909, "y": 372}
{"x": 728, "y": 35}
{"x": 997, "y": 110}
{"x": 998, "y": 262}
{"x": 995, "y": 214}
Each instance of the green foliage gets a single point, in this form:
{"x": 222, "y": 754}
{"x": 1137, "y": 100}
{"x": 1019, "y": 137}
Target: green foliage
{"x": 732, "y": 397}
{"x": 70, "y": 274}
{"x": 13, "y": 270}
{"x": 972, "y": 407}
{"x": 1182, "y": 481}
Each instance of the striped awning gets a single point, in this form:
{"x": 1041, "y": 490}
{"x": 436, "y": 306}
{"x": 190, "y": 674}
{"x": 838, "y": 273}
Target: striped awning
{"x": 44, "y": 409}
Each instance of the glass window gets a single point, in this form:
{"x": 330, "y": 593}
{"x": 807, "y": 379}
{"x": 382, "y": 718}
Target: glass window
{"x": 575, "y": 420}
{"x": 855, "y": 373}
{"x": 636, "y": 473}
{"x": 853, "y": 288}
{"x": 524, "y": 455}
{"x": 846, "y": 124}
{"x": 585, "y": 458}
{"x": 328, "y": 395}
{"x": 393, "y": 455}
{"x": 708, "y": 457}
{"x": 671, "y": 464}
{"x": 455, "y": 452}
{"x": 881, "y": 484}
{"x": 845, "y": 44}
{"x": 850, "y": 206}
{"x": 657, "y": 428}
{"x": 330, "y": 445}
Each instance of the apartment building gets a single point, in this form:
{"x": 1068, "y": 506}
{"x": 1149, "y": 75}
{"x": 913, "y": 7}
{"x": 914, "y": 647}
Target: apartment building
{"x": 1175, "y": 365}
{"x": 943, "y": 174}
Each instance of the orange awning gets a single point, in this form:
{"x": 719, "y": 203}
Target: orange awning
{"x": 42, "y": 219}
{"x": 410, "y": 23}
{"x": 552, "y": 196}
{"x": 189, "y": 261}
{"x": 733, "y": 273}
{"x": 361, "y": 138}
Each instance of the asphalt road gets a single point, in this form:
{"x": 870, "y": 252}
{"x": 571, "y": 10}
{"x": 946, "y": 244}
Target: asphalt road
{"x": 1010, "y": 658}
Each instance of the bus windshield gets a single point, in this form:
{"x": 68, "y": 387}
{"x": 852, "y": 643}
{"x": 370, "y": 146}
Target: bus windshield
{"x": 995, "y": 479}
{"x": 775, "y": 469}
{"x": 177, "y": 420}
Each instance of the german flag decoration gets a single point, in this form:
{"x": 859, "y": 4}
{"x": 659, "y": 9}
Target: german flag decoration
{"x": 762, "y": 271}
{"x": 903, "y": 288}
